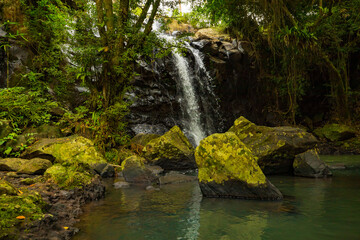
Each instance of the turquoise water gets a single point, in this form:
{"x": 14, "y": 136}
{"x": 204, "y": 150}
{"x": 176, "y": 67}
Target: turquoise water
{"x": 312, "y": 209}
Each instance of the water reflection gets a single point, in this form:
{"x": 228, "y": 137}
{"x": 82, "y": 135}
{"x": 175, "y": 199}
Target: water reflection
{"x": 312, "y": 209}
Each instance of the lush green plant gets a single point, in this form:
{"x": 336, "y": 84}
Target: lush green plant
{"x": 24, "y": 107}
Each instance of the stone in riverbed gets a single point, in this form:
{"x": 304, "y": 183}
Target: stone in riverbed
{"x": 275, "y": 147}
{"x": 309, "y": 164}
{"x": 228, "y": 169}
{"x": 171, "y": 151}
{"x": 135, "y": 171}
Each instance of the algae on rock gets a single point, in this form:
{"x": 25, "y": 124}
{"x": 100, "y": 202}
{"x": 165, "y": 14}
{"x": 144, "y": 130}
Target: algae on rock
{"x": 275, "y": 147}
{"x": 171, "y": 151}
{"x": 227, "y": 168}
{"x": 335, "y": 132}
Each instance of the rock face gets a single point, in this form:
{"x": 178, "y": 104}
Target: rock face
{"x": 227, "y": 168}
{"x": 309, "y": 164}
{"x": 335, "y": 132}
{"x": 135, "y": 171}
{"x": 275, "y": 147}
{"x": 171, "y": 151}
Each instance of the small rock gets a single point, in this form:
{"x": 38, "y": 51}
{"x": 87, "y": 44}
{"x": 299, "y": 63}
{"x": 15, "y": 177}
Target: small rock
{"x": 28, "y": 181}
{"x": 175, "y": 177}
{"x": 12, "y": 175}
{"x": 7, "y": 188}
{"x": 36, "y": 166}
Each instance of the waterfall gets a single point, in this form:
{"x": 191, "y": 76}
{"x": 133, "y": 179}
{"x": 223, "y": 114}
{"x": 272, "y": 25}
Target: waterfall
{"x": 199, "y": 104}
{"x": 189, "y": 101}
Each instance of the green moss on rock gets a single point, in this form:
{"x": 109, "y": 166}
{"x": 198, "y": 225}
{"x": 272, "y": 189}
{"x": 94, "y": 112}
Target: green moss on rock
{"x": 35, "y": 166}
{"x": 143, "y": 138}
{"x": 170, "y": 151}
{"x": 7, "y": 188}
{"x": 275, "y": 147}
{"x": 68, "y": 177}
{"x": 223, "y": 157}
{"x": 30, "y": 206}
{"x": 11, "y": 164}
{"x": 335, "y": 132}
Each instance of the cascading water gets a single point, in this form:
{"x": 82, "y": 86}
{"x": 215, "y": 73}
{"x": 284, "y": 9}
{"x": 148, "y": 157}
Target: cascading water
{"x": 189, "y": 101}
{"x": 198, "y": 101}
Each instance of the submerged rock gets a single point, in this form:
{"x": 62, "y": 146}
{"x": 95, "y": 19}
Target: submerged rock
{"x": 134, "y": 170}
{"x": 176, "y": 177}
{"x": 275, "y": 147}
{"x": 121, "y": 184}
{"x": 309, "y": 164}
{"x": 227, "y": 168}
{"x": 335, "y": 132}
{"x": 171, "y": 151}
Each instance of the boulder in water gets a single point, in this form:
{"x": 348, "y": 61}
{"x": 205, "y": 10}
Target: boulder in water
{"x": 275, "y": 147}
{"x": 228, "y": 169}
{"x": 134, "y": 170}
{"x": 171, "y": 151}
{"x": 309, "y": 164}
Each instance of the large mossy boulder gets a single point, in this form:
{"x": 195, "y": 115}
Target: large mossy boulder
{"x": 227, "y": 168}
{"x": 142, "y": 139}
{"x": 335, "y": 132}
{"x": 171, "y": 151}
{"x": 275, "y": 147}
{"x": 70, "y": 151}
{"x": 44, "y": 131}
{"x": 134, "y": 170}
{"x": 309, "y": 164}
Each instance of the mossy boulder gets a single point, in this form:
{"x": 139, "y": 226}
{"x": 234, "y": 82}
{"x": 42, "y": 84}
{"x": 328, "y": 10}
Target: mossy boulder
{"x": 275, "y": 147}
{"x": 171, "y": 151}
{"x": 11, "y": 164}
{"x": 335, "y": 132}
{"x": 68, "y": 177}
{"x": 35, "y": 166}
{"x": 142, "y": 139}
{"x": 69, "y": 151}
{"x": 309, "y": 164}
{"x": 227, "y": 168}
{"x": 134, "y": 170}
{"x": 7, "y": 188}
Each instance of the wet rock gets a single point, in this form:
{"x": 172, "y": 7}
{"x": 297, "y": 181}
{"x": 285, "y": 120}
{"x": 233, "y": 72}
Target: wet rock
{"x": 335, "y": 132}
{"x": 176, "y": 177}
{"x": 309, "y": 164}
{"x": 35, "y": 166}
{"x": 275, "y": 147}
{"x": 105, "y": 170}
{"x": 121, "y": 184}
{"x": 135, "y": 171}
{"x": 171, "y": 151}
{"x": 7, "y": 188}
{"x": 228, "y": 169}
{"x": 211, "y": 33}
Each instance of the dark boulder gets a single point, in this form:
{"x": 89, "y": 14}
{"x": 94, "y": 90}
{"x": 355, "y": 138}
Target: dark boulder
{"x": 309, "y": 164}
